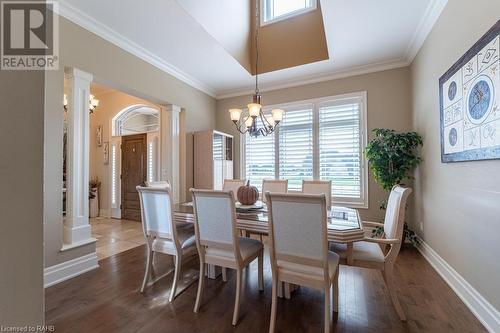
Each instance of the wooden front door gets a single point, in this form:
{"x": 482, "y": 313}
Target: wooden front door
{"x": 133, "y": 173}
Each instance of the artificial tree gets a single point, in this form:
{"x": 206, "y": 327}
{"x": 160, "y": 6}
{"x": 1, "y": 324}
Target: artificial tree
{"x": 392, "y": 157}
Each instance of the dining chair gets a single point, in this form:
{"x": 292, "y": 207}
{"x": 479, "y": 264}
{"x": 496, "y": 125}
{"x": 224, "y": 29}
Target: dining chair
{"x": 319, "y": 187}
{"x": 372, "y": 252}
{"x": 218, "y": 241}
{"x": 158, "y": 184}
{"x": 274, "y": 186}
{"x": 298, "y": 248}
{"x": 233, "y": 185}
{"x": 162, "y": 234}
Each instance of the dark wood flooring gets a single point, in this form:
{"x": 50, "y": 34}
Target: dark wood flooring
{"x": 108, "y": 300}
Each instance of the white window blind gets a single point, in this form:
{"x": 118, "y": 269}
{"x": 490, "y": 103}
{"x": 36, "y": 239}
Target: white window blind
{"x": 317, "y": 139}
{"x": 259, "y": 159}
{"x": 296, "y": 146}
{"x": 340, "y": 147}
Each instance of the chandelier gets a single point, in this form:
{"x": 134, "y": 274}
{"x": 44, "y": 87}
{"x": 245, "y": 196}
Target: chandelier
{"x": 253, "y": 121}
{"x": 93, "y": 103}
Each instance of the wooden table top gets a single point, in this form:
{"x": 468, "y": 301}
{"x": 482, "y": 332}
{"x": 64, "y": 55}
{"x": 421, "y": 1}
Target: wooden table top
{"x": 344, "y": 224}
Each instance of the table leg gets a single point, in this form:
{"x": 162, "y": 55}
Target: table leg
{"x": 349, "y": 253}
{"x": 213, "y": 271}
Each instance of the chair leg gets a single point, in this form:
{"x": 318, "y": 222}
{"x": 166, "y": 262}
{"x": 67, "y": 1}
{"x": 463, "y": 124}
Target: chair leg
{"x": 178, "y": 260}
{"x": 238, "y": 295}
{"x": 328, "y": 309}
{"x": 149, "y": 264}
{"x": 224, "y": 274}
{"x": 286, "y": 287}
{"x": 336, "y": 291}
{"x": 261, "y": 270}
{"x": 388, "y": 278}
{"x": 274, "y": 299}
{"x": 201, "y": 287}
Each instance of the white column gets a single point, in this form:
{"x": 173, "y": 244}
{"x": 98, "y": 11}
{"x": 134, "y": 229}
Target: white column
{"x": 77, "y": 230}
{"x": 169, "y": 136}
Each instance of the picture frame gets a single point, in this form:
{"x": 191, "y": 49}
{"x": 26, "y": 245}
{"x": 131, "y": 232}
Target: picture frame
{"x": 99, "y": 135}
{"x": 105, "y": 153}
{"x": 469, "y": 96}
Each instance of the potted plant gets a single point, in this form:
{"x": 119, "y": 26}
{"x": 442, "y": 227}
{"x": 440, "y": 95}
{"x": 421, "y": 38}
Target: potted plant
{"x": 392, "y": 157}
{"x": 94, "y": 197}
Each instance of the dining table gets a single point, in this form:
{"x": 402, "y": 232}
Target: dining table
{"x": 344, "y": 224}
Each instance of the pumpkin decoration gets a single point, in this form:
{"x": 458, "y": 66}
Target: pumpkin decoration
{"x": 247, "y": 195}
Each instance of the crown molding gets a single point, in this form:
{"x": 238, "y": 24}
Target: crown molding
{"x": 304, "y": 80}
{"x": 431, "y": 15}
{"x": 87, "y": 22}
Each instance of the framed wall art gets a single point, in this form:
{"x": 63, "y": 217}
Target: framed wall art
{"x": 469, "y": 94}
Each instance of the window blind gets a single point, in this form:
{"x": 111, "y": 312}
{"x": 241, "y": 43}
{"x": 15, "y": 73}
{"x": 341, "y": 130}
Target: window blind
{"x": 339, "y": 147}
{"x": 296, "y": 147}
{"x": 259, "y": 159}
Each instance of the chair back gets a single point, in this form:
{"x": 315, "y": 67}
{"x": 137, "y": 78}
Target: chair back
{"x": 215, "y": 219}
{"x": 395, "y": 212}
{"x": 298, "y": 229}
{"x": 158, "y": 184}
{"x": 232, "y": 185}
{"x": 156, "y": 212}
{"x": 318, "y": 187}
{"x": 273, "y": 186}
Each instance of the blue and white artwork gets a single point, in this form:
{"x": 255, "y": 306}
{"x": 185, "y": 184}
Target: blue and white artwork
{"x": 470, "y": 103}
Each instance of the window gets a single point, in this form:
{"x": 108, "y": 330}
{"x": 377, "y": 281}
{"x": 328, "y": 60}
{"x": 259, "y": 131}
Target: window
{"x": 136, "y": 119}
{"x": 276, "y": 10}
{"x": 259, "y": 159}
{"x": 296, "y": 146}
{"x": 317, "y": 139}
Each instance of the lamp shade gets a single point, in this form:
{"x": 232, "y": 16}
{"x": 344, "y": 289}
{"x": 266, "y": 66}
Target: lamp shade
{"x": 249, "y": 122}
{"x": 277, "y": 115}
{"x": 235, "y": 114}
{"x": 270, "y": 120}
{"x": 254, "y": 109}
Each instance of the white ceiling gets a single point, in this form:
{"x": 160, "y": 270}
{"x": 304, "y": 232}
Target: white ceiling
{"x": 363, "y": 36}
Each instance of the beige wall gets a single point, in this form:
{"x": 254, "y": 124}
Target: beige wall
{"x": 292, "y": 42}
{"x": 389, "y": 106}
{"x": 457, "y": 203}
{"x": 110, "y": 104}
{"x": 116, "y": 68}
{"x": 21, "y": 198}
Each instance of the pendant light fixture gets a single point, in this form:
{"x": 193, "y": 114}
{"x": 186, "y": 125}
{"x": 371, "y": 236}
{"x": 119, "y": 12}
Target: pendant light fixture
{"x": 253, "y": 120}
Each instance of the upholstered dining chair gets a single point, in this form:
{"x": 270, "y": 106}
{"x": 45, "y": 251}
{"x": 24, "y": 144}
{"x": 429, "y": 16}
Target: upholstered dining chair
{"x": 318, "y": 187}
{"x": 372, "y": 252}
{"x": 158, "y": 184}
{"x": 274, "y": 186}
{"x": 218, "y": 241}
{"x": 298, "y": 248}
{"x": 162, "y": 234}
{"x": 233, "y": 185}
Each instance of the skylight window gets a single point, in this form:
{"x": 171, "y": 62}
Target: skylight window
{"x": 277, "y": 10}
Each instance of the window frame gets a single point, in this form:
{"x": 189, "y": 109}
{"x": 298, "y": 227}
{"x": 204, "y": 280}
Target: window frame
{"x": 363, "y": 201}
{"x": 297, "y": 12}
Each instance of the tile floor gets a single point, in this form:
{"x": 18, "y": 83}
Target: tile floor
{"x": 115, "y": 236}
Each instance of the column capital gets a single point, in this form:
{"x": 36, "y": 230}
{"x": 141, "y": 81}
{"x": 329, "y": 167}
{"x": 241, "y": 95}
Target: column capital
{"x": 71, "y": 72}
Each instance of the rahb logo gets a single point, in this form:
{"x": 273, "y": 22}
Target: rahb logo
{"x": 30, "y": 35}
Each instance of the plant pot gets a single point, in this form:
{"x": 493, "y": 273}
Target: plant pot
{"x": 94, "y": 203}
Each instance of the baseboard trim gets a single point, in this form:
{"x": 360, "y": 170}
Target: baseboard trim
{"x": 69, "y": 269}
{"x": 477, "y": 304}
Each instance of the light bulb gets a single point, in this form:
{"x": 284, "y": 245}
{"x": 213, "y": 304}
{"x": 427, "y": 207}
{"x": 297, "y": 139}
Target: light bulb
{"x": 254, "y": 109}
{"x": 277, "y": 115}
{"x": 235, "y": 114}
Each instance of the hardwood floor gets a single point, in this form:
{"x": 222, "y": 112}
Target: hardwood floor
{"x": 108, "y": 300}
{"x": 115, "y": 236}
